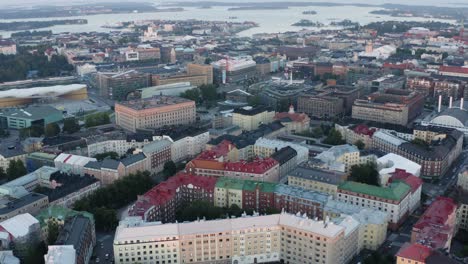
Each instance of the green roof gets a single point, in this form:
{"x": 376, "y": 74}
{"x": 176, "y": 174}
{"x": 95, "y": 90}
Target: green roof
{"x": 42, "y": 155}
{"x": 248, "y": 185}
{"x": 59, "y": 212}
{"x": 396, "y": 191}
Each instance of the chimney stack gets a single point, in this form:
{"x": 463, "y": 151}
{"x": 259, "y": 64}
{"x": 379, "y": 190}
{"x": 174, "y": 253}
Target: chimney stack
{"x": 440, "y": 104}
{"x": 450, "y": 102}
{"x": 461, "y": 104}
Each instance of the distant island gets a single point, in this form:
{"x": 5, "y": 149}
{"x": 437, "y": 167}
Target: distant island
{"x": 310, "y": 12}
{"x": 345, "y": 23}
{"x": 27, "y": 25}
{"x": 243, "y": 8}
{"x": 308, "y": 23}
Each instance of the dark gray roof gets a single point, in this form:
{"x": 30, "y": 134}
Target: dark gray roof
{"x": 110, "y": 164}
{"x": 284, "y": 155}
{"x": 93, "y": 165}
{"x": 74, "y": 231}
{"x": 14, "y": 204}
{"x": 437, "y": 150}
{"x": 329, "y": 177}
{"x": 253, "y": 111}
{"x": 133, "y": 159}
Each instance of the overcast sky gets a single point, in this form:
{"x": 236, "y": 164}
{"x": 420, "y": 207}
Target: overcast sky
{"x": 7, "y": 3}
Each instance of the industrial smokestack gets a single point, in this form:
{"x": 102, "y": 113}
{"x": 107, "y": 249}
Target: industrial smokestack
{"x": 450, "y": 102}
{"x": 461, "y": 104}
{"x": 440, "y": 103}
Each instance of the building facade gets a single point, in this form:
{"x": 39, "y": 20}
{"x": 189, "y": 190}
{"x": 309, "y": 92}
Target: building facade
{"x": 154, "y": 112}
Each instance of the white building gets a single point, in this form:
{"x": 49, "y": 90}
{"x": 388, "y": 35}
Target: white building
{"x": 20, "y": 229}
{"x": 265, "y": 147}
{"x": 7, "y": 257}
{"x": 393, "y": 199}
{"x": 72, "y": 164}
{"x": 187, "y": 147}
{"x": 341, "y": 158}
{"x": 389, "y": 163}
{"x": 248, "y": 239}
{"x": 60, "y": 254}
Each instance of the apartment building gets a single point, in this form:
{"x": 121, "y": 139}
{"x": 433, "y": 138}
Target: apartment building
{"x": 157, "y": 152}
{"x": 162, "y": 201}
{"x": 308, "y": 177}
{"x": 263, "y": 196}
{"x": 115, "y": 141}
{"x": 117, "y": 85}
{"x": 110, "y": 170}
{"x": 374, "y": 223}
{"x": 393, "y": 199}
{"x": 340, "y": 158}
{"x": 154, "y": 112}
{"x": 249, "y": 239}
{"x": 208, "y": 164}
{"x": 265, "y": 147}
{"x": 287, "y": 160}
{"x": 294, "y": 122}
{"x": 249, "y": 118}
{"x": 246, "y": 194}
{"x": 355, "y": 133}
{"x": 393, "y": 106}
{"x": 437, "y": 225}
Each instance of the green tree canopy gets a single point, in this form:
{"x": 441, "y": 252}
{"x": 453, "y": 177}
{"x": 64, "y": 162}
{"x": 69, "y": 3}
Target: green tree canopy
{"x": 16, "y": 169}
{"x": 169, "y": 169}
{"x": 110, "y": 154}
{"x": 365, "y": 173}
{"x": 70, "y": 125}
{"x": 334, "y": 138}
{"x": 360, "y": 144}
{"x": 97, "y": 119}
{"x": 52, "y": 130}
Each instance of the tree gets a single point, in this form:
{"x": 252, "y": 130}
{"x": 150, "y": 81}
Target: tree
{"x": 4, "y": 132}
{"x": 3, "y": 175}
{"x": 169, "y": 169}
{"x": 334, "y": 138}
{"x": 208, "y": 92}
{"x": 111, "y": 154}
{"x": 35, "y": 253}
{"x": 70, "y": 125}
{"x": 376, "y": 257}
{"x": 317, "y": 132}
{"x": 254, "y": 100}
{"x": 97, "y": 119}
{"x": 192, "y": 94}
{"x": 52, "y": 130}
{"x": 365, "y": 173}
{"x": 360, "y": 144}
{"x": 104, "y": 202}
{"x": 52, "y": 232}
{"x": 16, "y": 169}
{"x": 208, "y": 60}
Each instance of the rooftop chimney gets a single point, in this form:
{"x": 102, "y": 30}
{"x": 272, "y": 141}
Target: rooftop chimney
{"x": 450, "y": 102}
{"x": 461, "y": 104}
{"x": 440, "y": 104}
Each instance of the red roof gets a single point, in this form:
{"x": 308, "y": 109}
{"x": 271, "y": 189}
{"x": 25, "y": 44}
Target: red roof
{"x": 398, "y": 66}
{"x": 218, "y": 151}
{"x": 257, "y": 166}
{"x": 296, "y": 117}
{"x": 364, "y": 130}
{"x": 454, "y": 69}
{"x": 165, "y": 191}
{"x": 436, "y": 226}
{"x": 416, "y": 252}
{"x": 408, "y": 178}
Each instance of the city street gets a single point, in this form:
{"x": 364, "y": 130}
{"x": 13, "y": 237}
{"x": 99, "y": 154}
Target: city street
{"x": 448, "y": 180}
{"x": 103, "y": 251}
